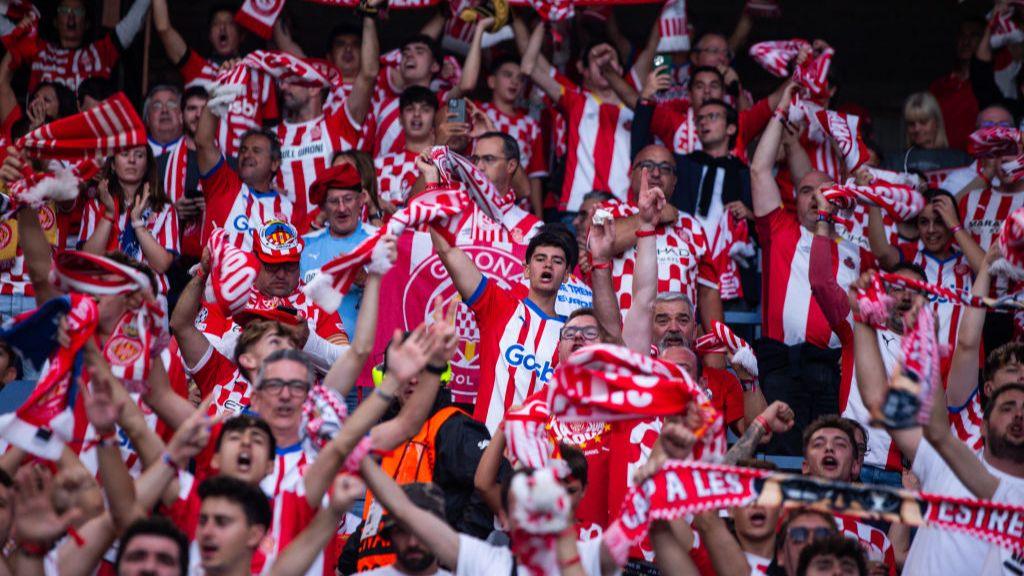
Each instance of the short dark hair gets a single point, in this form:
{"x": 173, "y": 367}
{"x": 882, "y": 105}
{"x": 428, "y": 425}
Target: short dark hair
{"x": 275, "y": 144}
{"x": 932, "y": 193}
{"x": 593, "y": 42}
{"x": 67, "y": 104}
{"x": 991, "y": 404}
{"x": 732, "y": 118}
{"x": 509, "y": 146}
{"x": 194, "y": 92}
{"x": 698, "y": 69}
{"x": 497, "y": 63}
{"x": 909, "y": 267}
{"x": 831, "y": 421}
{"x": 218, "y": 7}
{"x": 243, "y": 422}
{"x": 798, "y": 512}
{"x": 1001, "y": 356}
{"x": 417, "y": 95}
{"x": 251, "y": 498}
{"x": 558, "y": 236}
{"x": 95, "y": 88}
{"x": 576, "y": 461}
{"x": 155, "y": 526}
{"x": 435, "y": 48}
{"x": 343, "y": 29}
{"x": 858, "y": 426}
{"x": 836, "y": 545}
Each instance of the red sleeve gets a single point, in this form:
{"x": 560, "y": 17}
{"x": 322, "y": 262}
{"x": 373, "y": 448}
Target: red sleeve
{"x": 488, "y": 298}
{"x": 344, "y": 131}
{"x": 220, "y": 187}
{"x": 775, "y": 222}
{"x": 571, "y": 97}
{"x": 824, "y": 288}
{"x": 328, "y": 325}
{"x": 109, "y": 53}
{"x": 215, "y": 370}
{"x": 538, "y": 159}
{"x": 192, "y": 67}
{"x": 728, "y": 394}
{"x": 665, "y": 122}
{"x": 707, "y": 273}
{"x": 753, "y": 121}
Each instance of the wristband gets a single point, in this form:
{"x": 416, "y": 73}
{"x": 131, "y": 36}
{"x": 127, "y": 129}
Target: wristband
{"x": 956, "y": 229}
{"x": 825, "y": 217}
{"x": 435, "y": 370}
{"x": 570, "y": 562}
{"x": 646, "y": 233}
{"x": 106, "y": 439}
{"x": 385, "y": 396}
{"x": 763, "y": 422}
{"x": 600, "y": 265}
{"x": 748, "y": 385}
{"x": 780, "y": 116}
{"x": 34, "y": 549}
{"x": 166, "y": 459}
{"x": 858, "y": 319}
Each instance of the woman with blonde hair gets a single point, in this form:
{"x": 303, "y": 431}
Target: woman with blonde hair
{"x": 927, "y": 143}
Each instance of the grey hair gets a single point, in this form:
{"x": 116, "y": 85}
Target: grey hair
{"x": 160, "y": 88}
{"x": 287, "y": 354}
{"x": 675, "y": 297}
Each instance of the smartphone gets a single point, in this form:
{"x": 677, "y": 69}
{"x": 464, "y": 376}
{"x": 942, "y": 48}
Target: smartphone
{"x": 663, "y": 60}
{"x": 457, "y": 110}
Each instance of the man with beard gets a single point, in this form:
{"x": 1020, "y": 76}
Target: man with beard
{"x": 999, "y": 464}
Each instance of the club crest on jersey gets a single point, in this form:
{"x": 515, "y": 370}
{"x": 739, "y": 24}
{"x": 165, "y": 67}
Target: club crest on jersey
{"x": 5, "y": 234}
{"x": 961, "y": 269}
{"x": 123, "y": 351}
{"x": 849, "y": 263}
{"x": 47, "y": 220}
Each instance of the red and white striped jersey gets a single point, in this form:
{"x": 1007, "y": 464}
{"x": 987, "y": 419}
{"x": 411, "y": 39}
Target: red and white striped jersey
{"x": 518, "y": 349}
{"x": 254, "y": 108}
{"x": 791, "y": 315}
{"x": 163, "y": 225}
{"x": 307, "y": 149}
{"x": 71, "y": 66}
{"x": 966, "y": 422}
{"x": 684, "y": 258}
{"x": 882, "y": 452}
{"x": 527, "y": 134}
{"x": 985, "y": 210}
{"x": 953, "y": 273}
{"x": 599, "y": 140}
{"x": 396, "y": 173}
{"x": 236, "y": 207}
{"x": 873, "y": 541}
{"x": 176, "y": 170}
{"x": 676, "y": 129}
{"x": 14, "y": 278}
{"x": 218, "y": 376}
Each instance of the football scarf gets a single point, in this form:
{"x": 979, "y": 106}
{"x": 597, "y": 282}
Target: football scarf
{"x": 542, "y": 510}
{"x": 901, "y": 202}
{"x": 674, "y": 27}
{"x": 844, "y": 130}
{"x": 1004, "y": 31}
{"x": 258, "y": 16}
{"x": 603, "y": 383}
{"x": 526, "y": 433}
{"x": 111, "y": 126}
{"x": 232, "y": 273}
{"x": 908, "y": 401}
{"x": 1011, "y": 245}
{"x": 45, "y": 421}
{"x": 682, "y": 488}
{"x": 777, "y": 56}
{"x": 880, "y": 176}
{"x": 337, "y": 276}
{"x": 22, "y": 42}
{"x": 39, "y": 188}
{"x": 453, "y": 166}
{"x": 323, "y": 414}
{"x": 741, "y": 351}
{"x": 283, "y": 66}
{"x": 994, "y": 142}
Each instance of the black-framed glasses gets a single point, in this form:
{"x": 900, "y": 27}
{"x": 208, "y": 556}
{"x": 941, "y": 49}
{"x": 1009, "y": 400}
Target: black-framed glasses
{"x": 589, "y": 333}
{"x": 276, "y": 385}
{"x": 651, "y": 166}
{"x": 487, "y": 158}
{"x": 799, "y": 534}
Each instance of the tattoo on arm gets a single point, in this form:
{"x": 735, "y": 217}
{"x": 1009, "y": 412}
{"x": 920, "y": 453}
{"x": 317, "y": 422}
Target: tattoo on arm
{"x": 746, "y": 446}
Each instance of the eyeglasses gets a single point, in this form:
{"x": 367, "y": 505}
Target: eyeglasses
{"x": 487, "y": 158}
{"x": 710, "y": 116}
{"x": 589, "y": 333}
{"x": 169, "y": 105}
{"x": 990, "y": 124}
{"x": 68, "y": 11}
{"x": 799, "y": 534}
{"x": 276, "y": 385}
{"x": 651, "y": 166}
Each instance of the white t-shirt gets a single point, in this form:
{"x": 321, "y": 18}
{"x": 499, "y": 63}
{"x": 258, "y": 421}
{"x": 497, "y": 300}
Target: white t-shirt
{"x": 392, "y": 571}
{"x": 478, "y": 557}
{"x": 942, "y": 551}
{"x": 1003, "y": 560}
{"x": 758, "y": 564}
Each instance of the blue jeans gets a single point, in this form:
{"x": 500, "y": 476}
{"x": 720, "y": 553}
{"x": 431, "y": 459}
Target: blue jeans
{"x": 875, "y": 475}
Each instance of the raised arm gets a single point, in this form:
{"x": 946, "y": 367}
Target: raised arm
{"x": 130, "y": 25}
{"x": 300, "y": 553}
{"x": 622, "y": 89}
{"x": 724, "y": 551}
{"x": 438, "y": 536}
{"x": 764, "y": 190}
{"x": 471, "y": 66}
{"x": 192, "y": 344}
{"x": 282, "y": 34}
{"x": 159, "y": 482}
{"x": 463, "y": 271}
{"x": 358, "y": 103}
{"x": 534, "y": 64}
{"x": 778, "y": 417}
{"x": 174, "y": 44}
{"x": 886, "y": 254}
{"x": 601, "y": 244}
{"x": 637, "y": 327}
{"x": 826, "y": 291}
{"x": 962, "y": 380}
{"x": 31, "y": 239}
{"x": 947, "y": 211}
{"x": 207, "y": 151}
{"x": 8, "y": 99}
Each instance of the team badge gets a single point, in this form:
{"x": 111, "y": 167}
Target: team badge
{"x": 123, "y": 351}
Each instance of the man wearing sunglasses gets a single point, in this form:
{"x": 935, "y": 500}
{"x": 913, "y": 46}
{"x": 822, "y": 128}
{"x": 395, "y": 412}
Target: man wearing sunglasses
{"x": 799, "y": 529}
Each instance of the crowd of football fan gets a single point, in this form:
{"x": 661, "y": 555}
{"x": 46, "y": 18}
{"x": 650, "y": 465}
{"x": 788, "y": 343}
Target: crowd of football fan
{"x": 263, "y": 432}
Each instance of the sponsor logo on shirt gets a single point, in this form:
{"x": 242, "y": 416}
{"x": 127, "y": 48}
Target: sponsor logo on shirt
{"x": 294, "y": 152}
{"x": 517, "y": 356}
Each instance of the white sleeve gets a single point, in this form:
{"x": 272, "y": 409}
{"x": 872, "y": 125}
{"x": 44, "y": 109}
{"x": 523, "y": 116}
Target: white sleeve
{"x": 130, "y": 25}
{"x": 928, "y": 466}
{"x": 479, "y": 557}
{"x": 321, "y": 352}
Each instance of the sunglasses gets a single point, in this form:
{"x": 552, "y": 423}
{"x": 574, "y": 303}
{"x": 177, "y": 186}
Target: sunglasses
{"x": 799, "y": 535}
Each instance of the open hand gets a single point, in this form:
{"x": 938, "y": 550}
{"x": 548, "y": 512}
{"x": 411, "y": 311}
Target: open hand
{"x": 36, "y": 521}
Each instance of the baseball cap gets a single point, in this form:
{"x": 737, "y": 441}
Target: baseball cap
{"x": 277, "y": 242}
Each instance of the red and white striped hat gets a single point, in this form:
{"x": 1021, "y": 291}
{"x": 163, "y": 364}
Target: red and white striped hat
{"x": 277, "y": 241}
{"x": 77, "y": 271}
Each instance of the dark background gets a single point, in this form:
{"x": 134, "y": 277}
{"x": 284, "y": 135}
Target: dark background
{"x": 885, "y": 50}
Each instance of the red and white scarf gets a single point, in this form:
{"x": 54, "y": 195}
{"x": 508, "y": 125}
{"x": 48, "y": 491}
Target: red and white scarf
{"x": 232, "y": 273}
{"x": 1011, "y": 245}
{"x": 674, "y": 27}
{"x": 775, "y": 56}
{"x": 281, "y": 66}
{"x": 742, "y": 352}
{"x": 23, "y": 41}
{"x": 909, "y": 398}
{"x": 456, "y": 167}
{"x": 541, "y": 509}
{"x": 111, "y": 126}
{"x": 324, "y": 412}
{"x": 603, "y": 382}
{"x": 258, "y": 16}
{"x": 45, "y": 421}
{"x": 1004, "y": 30}
{"x": 337, "y": 276}
{"x": 527, "y": 435}
{"x": 38, "y": 188}
{"x": 899, "y": 201}
{"x": 874, "y": 303}
{"x": 880, "y": 176}
{"x": 994, "y": 142}
{"x": 844, "y": 130}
